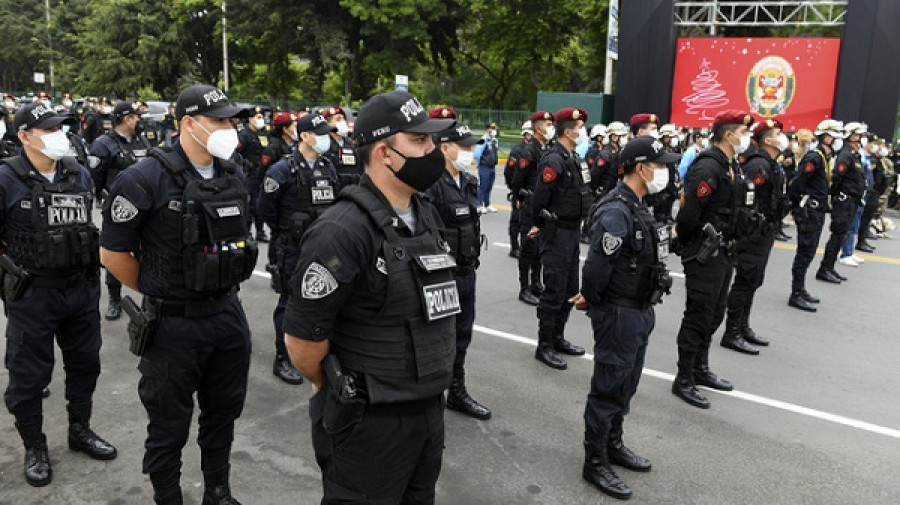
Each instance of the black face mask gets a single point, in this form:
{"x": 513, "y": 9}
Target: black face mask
{"x": 422, "y": 172}
{"x": 140, "y": 127}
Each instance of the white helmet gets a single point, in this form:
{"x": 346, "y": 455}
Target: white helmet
{"x": 855, "y": 127}
{"x": 668, "y": 130}
{"x": 599, "y": 130}
{"x": 526, "y": 128}
{"x": 830, "y": 127}
{"x": 617, "y": 128}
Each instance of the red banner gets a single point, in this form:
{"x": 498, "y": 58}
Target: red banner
{"x": 790, "y": 79}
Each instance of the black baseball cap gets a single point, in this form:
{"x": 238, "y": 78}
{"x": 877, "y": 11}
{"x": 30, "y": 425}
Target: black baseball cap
{"x": 645, "y": 149}
{"x": 387, "y": 114}
{"x": 125, "y": 108}
{"x": 460, "y": 134}
{"x": 314, "y": 123}
{"x": 36, "y": 115}
{"x": 206, "y": 100}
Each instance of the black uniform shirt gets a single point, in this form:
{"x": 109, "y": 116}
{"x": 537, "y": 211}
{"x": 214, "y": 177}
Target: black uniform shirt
{"x": 343, "y": 251}
{"x": 812, "y": 176}
{"x": 849, "y": 176}
{"x": 281, "y": 190}
{"x": 559, "y": 170}
{"x": 767, "y": 179}
{"x": 708, "y": 187}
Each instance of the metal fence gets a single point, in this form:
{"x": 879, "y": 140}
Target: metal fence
{"x": 507, "y": 120}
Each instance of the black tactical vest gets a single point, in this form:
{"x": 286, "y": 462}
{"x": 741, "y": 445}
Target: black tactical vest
{"x": 62, "y": 234}
{"x": 128, "y": 155}
{"x": 406, "y": 350}
{"x": 217, "y": 253}
{"x": 462, "y": 227}
{"x": 573, "y": 197}
{"x": 633, "y": 274}
{"x": 316, "y": 191}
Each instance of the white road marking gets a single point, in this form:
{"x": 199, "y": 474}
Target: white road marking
{"x": 761, "y": 400}
{"x": 582, "y": 258}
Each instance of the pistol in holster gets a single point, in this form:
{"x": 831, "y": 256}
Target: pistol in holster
{"x": 345, "y": 400}
{"x": 142, "y": 326}
{"x": 709, "y": 248}
{"x": 15, "y": 279}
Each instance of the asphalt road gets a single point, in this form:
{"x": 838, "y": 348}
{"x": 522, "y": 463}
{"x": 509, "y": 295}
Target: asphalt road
{"x": 814, "y": 419}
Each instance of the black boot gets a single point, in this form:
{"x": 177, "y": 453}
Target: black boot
{"x": 82, "y": 438}
{"x": 827, "y": 276}
{"x": 168, "y": 497}
{"x": 684, "y": 386}
{"x": 527, "y": 296}
{"x": 216, "y": 491}
{"x": 703, "y": 376}
{"x": 838, "y": 275}
{"x": 732, "y": 338}
{"x": 284, "y": 370}
{"x": 38, "y": 471}
{"x": 597, "y": 471}
{"x": 808, "y": 297}
{"x": 798, "y": 301}
{"x": 564, "y": 346}
{"x": 621, "y": 455}
{"x": 865, "y": 247}
{"x": 261, "y": 235}
{"x": 114, "y": 310}
{"x": 458, "y": 398}
{"x": 545, "y": 352}
{"x": 747, "y": 332}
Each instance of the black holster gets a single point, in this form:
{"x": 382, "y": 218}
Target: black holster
{"x": 709, "y": 248}
{"x": 345, "y": 400}
{"x": 15, "y": 279}
{"x": 142, "y": 326}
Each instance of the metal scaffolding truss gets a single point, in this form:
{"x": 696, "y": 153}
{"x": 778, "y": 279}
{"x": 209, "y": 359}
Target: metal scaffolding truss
{"x": 749, "y": 13}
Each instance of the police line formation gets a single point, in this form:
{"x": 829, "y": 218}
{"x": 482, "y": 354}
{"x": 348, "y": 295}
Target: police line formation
{"x": 375, "y": 242}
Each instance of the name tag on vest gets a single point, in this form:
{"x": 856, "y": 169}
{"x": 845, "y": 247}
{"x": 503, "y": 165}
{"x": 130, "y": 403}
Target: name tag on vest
{"x": 585, "y": 173}
{"x": 67, "y": 209}
{"x": 139, "y": 153}
{"x": 230, "y": 211}
{"x": 322, "y": 195}
{"x": 348, "y": 157}
{"x": 462, "y": 211}
{"x": 435, "y": 262}
{"x": 441, "y": 300}
{"x": 107, "y": 124}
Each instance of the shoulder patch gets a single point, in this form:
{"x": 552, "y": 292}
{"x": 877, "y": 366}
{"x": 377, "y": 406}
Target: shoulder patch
{"x": 842, "y": 167}
{"x": 759, "y": 180}
{"x": 523, "y": 163}
{"x": 549, "y": 175}
{"x": 620, "y": 170}
{"x": 601, "y": 162}
{"x": 611, "y": 243}
{"x": 270, "y": 185}
{"x": 809, "y": 168}
{"x": 511, "y": 162}
{"x": 122, "y": 210}
{"x": 703, "y": 190}
{"x": 318, "y": 282}
{"x": 265, "y": 159}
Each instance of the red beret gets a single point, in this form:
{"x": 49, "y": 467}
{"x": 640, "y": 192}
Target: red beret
{"x": 768, "y": 124}
{"x": 541, "y": 114}
{"x": 733, "y": 116}
{"x": 43, "y": 94}
{"x": 283, "y": 118}
{"x": 442, "y": 113}
{"x": 644, "y": 118}
{"x": 569, "y": 113}
{"x": 331, "y": 111}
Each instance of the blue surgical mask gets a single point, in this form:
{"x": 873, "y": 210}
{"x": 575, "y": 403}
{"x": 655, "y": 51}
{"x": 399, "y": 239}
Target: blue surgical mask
{"x": 323, "y": 143}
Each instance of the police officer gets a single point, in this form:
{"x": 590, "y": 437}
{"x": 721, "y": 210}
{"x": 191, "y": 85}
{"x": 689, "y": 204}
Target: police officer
{"x": 296, "y": 190}
{"x": 93, "y": 123}
{"x": 663, "y": 201}
{"x": 847, "y": 192}
{"x": 877, "y": 184}
{"x": 707, "y": 226}
{"x": 281, "y": 139}
{"x": 51, "y": 286}
{"x": 597, "y": 135}
{"x": 525, "y": 180}
{"x": 78, "y": 148}
{"x": 253, "y": 140}
{"x": 185, "y": 211}
{"x": 150, "y": 129}
{"x": 9, "y": 142}
{"x": 809, "y": 196}
{"x": 509, "y": 173}
{"x": 788, "y": 162}
{"x": 455, "y": 195}
{"x": 561, "y": 200}
{"x": 606, "y": 170}
{"x": 753, "y": 251}
{"x": 623, "y": 276}
{"x": 341, "y": 151}
{"x": 117, "y": 150}
{"x": 169, "y": 125}
{"x": 373, "y": 296}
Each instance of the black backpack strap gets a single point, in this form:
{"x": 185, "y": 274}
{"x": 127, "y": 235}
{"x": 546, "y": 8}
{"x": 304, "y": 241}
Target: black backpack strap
{"x": 173, "y": 162}
{"x": 19, "y": 167}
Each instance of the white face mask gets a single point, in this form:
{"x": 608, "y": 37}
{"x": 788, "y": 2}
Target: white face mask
{"x": 221, "y": 143}
{"x": 605, "y": 141}
{"x": 549, "y": 132}
{"x": 704, "y": 142}
{"x": 659, "y": 182}
{"x": 863, "y": 141}
{"x": 66, "y": 128}
{"x": 782, "y": 142}
{"x": 623, "y": 141}
{"x": 342, "y": 128}
{"x": 837, "y": 144}
{"x": 323, "y": 142}
{"x": 463, "y": 160}
{"x": 2, "y": 128}
{"x": 744, "y": 144}
{"x": 673, "y": 141}
{"x": 582, "y": 137}
{"x": 295, "y": 136}
{"x": 67, "y": 103}
{"x": 9, "y": 104}
{"x": 56, "y": 145}
{"x": 654, "y": 134}
{"x": 883, "y": 152}
{"x": 107, "y": 109}
{"x": 259, "y": 123}
{"x": 795, "y": 146}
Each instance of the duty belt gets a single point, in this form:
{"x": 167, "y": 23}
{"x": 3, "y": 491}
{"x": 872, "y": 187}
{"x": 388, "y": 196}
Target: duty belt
{"x": 567, "y": 225}
{"x": 57, "y": 282}
{"x": 190, "y": 308}
{"x": 628, "y": 303}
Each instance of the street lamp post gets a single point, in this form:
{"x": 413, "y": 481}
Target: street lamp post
{"x": 224, "y": 49}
